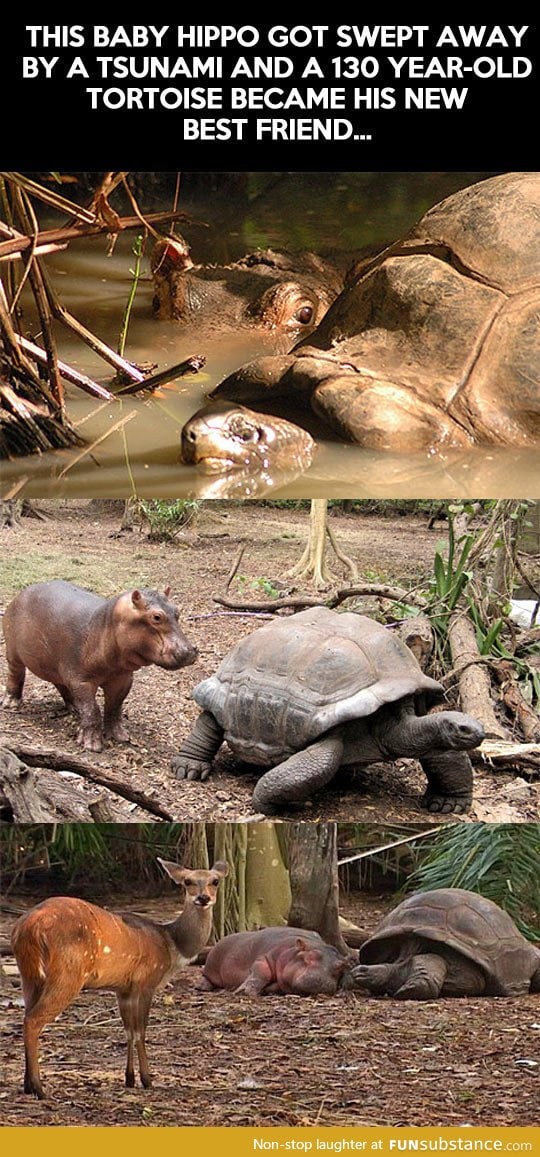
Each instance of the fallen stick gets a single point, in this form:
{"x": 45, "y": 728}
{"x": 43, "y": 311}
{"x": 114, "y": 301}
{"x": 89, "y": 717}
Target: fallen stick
{"x": 72, "y": 232}
{"x": 62, "y": 761}
{"x": 381, "y": 590}
{"x": 73, "y": 376}
{"x": 528, "y": 720}
{"x": 88, "y": 449}
{"x": 526, "y": 756}
{"x": 190, "y": 365}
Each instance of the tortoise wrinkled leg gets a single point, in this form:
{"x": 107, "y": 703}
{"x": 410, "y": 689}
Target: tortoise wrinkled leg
{"x": 424, "y": 980}
{"x": 450, "y": 782}
{"x": 194, "y": 760}
{"x": 375, "y": 977}
{"x": 298, "y": 777}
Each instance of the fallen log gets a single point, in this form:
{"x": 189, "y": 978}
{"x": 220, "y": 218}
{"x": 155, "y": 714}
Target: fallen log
{"x": 39, "y": 797}
{"x": 62, "y": 761}
{"x": 473, "y": 678}
{"x": 524, "y": 714}
{"x": 499, "y": 754}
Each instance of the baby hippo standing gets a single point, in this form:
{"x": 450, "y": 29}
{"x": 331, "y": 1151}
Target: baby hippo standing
{"x": 80, "y": 641}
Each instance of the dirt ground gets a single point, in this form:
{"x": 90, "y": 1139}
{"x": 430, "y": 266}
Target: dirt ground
{"x": 77, "y": 543}
{"x": 224, "y": 1059}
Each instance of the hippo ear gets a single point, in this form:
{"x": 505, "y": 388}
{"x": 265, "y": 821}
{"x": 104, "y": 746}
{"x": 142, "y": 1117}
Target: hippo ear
{"x": 139, "y": 600}
{"x": 300, "y": 943}
{"x": 166, "y": 591}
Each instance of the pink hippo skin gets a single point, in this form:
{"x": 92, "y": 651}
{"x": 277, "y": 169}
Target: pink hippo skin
{"x": 285, "y": 960}
{"x": 79, "y": 641}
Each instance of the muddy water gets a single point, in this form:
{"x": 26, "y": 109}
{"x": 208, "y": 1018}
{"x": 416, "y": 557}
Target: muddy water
{"x": 326, "y": 212}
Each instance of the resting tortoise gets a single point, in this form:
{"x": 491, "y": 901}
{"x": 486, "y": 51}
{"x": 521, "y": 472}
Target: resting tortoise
{"x": 448, "y": 942}
{"x": 436, "y": 342}
{"x": 306, "y": 694}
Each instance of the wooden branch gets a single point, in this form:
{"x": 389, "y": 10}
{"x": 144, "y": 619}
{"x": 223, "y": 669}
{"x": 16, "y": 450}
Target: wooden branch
{"x": 525, "y": 756}
{"x": 73, "y": 376}
{"x": 190, "y": 365}
{"x": 66, "y": 233}
{"x": 66, "y": 318}
{"x": 62, "y": 761}
{"x": 381, "y": 590}
{"x": 528, "y": 720}
{"x": 40, "y": 797}
{"x": 235, "y": 565}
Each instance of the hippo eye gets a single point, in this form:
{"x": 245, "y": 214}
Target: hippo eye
{"x": 304, "y": 315}
{"x": 157, "y": 618}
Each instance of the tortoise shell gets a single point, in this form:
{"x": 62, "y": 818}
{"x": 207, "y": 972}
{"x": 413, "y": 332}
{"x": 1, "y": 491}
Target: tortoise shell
{"x": 466, "y": 922}
{"x": 294, "y": 679}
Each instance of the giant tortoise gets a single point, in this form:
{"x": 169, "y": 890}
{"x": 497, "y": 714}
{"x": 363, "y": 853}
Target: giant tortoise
{"x": 448, "y": 942}
{"x": 305, "y": 694}
{"x": 433, "y": 344}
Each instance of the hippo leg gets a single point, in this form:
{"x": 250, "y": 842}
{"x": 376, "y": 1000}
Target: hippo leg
{"x": 115, "y": 691}
{"x": 194, "y": 760}
{"x": 90, "y": 734}
{"x": 450, "y": 782}
{"x": 69, "y": 705}
{"x": 300, "y": 776}
{"x": 258, "y": 980}
{"x": 14, "y": 684}
{"x": 205, "y": 985}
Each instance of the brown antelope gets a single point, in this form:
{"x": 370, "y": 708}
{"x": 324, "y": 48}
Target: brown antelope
{"x": 64, "y": 945}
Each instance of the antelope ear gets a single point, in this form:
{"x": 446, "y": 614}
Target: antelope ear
{"x": 166, "y": 591}
{"x": 221, "y": 867}
{"x": 175, "y": 871}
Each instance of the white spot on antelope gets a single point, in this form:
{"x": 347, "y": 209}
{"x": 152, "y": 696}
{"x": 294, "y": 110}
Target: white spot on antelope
{"x": 106, "y": 950}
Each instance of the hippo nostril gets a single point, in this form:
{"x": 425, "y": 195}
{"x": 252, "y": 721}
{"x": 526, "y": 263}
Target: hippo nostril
{"x": 190, "y": 435}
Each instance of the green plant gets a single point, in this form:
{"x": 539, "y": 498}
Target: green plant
{"x": 262, "y": 584}
{"x": 137, "y": 250}
{"x": 167, "y": 517}
{"x": 498, "y": 860}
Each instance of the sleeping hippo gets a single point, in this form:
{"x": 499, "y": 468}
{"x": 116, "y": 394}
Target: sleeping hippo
{"x": 282, "y": 294}
{"x": 279, "y": 960}
{"x": 79, "y": 641}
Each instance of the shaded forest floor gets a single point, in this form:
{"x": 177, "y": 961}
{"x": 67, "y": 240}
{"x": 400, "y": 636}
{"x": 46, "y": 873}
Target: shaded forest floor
{"x": 76, "y": 543}
{"x": 223, "y": 1059}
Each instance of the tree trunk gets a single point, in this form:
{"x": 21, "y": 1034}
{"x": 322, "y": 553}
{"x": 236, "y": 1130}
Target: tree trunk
{"x": 313, "y": 874}
{"x": 312, "y": 564}
{"x": 256, "y": 892}
{"x": 474, "y": 681}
